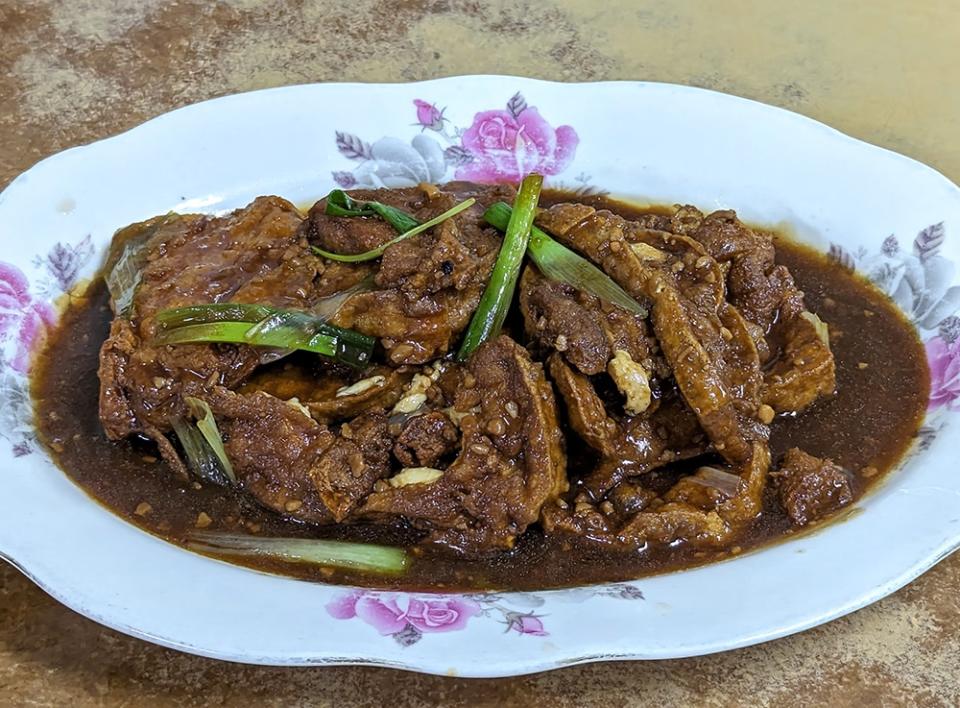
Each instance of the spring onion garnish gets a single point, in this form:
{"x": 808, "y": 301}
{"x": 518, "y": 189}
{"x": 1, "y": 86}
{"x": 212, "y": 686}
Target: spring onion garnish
{"x": 201, "y": 458}
{"x": 340, "y": 554}
{"x": 557, "y": 262}
{"x": 282, "y": 320}
{"x": 287, "y": 330}
{"x": 492, "y": 310}
{"x": 213, "y": 312}
{"x": 313, "y": 322}
{"x": 339, "y": 203}
{"x": 236, "y": 333}
{"x": 324, "y": 309}
{"x": 378, "y": 251}
{"x": 207, "y": 425}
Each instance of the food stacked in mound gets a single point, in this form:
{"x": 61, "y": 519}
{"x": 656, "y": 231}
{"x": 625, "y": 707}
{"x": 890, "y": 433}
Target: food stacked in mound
{"x": 459, "y": 358}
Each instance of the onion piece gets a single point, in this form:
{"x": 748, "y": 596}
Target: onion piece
{"x": 821, "y": 328}
{"x": 396, "y": 421}
{"x": 124, "y": 275}
{"x": 212, "y": 312}
{"x": 201, "y": 458}
{"x": 343, "y": 345}
{"x": 327, "y": 307}
{"x": 207, "y": 425}
{"x": 309, "y": 323}
{"x": 724, "y": 482}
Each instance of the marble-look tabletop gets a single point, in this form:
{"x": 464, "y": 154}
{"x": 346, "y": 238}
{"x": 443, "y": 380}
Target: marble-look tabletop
{"x": 882, "y": 70}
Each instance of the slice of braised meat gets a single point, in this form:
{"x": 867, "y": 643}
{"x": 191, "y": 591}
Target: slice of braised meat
{"x": 332, "y": 396}
{"x": 253, "y": 255}
{"x": 804, "y": 369}
{"x": 600, "y": 346}
{"x": 627, "y": 446}
{"x": 425, "y": 440}
{"x": 810, "y": 488}
{"x": 712, "y": 354}
{"x": 705, "y": 340}
{"x": 294, "y": 465}
{"x": 588, "y": 332}
{"x": 427, "y": 286}
{"x": 757, "y": 286}
{"x": 795, "y": 340}
{"x": 555, "y": 317}
{"x": 359, "y": 456}
{"x": 271, "y": 446}
{"x": 511, "y": 459}
{"x": 706, "y": 509}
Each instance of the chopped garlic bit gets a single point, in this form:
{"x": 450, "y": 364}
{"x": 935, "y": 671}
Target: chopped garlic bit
{"x": 410, "y": 403}
{"x": 361, "y": 386}
{"x": 819, "y": 325}
{"x": 646, "y": 252}
{"x": 766, "y": 414}
{"x": 415, "y": 395}
{"x": 415, "y": 475}
{"x": 456, "y": 416}
{"x": 295, "y": 403}
{"x": 632, "y": 380}
{"x": 431, "y": 190}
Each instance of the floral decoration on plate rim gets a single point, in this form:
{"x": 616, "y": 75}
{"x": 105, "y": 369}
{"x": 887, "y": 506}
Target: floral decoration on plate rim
{"x": 499, "y": 145}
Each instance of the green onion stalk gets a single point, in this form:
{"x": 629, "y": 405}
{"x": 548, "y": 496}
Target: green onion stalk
{"x": 495, "y": 302}
{"x": 559, "y": 263}
{"x": 288, "y": 330}
{"x": 396, "y": 222}
{"x": 207, "y": 425}
{"x": 366, "y": 557}
{"x": 339, "y": 203}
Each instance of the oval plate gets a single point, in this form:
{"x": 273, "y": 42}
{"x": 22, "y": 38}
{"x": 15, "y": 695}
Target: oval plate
{"x": 887, "y": 215}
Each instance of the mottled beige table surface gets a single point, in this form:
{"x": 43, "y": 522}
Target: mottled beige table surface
{"x": 884, "y": 71}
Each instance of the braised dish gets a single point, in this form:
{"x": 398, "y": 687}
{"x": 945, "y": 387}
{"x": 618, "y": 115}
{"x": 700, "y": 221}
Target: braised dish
{"x": 386, "y": 390}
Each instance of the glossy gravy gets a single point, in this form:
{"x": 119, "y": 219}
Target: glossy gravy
{"x": 882, "y": 383}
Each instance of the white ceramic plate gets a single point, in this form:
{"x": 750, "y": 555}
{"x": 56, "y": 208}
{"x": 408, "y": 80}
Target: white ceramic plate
{"x": 888, "y": 215}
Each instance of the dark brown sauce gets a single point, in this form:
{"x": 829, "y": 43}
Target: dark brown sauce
{"x": 882, "y": 383}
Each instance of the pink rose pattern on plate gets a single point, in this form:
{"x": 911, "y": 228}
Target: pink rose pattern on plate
{"x": 499, "y": 145}
{"x": 408, "y": 616}
{"x": 428, "y": 115}
{"x": 507, "y": 145}
{"x": 921, "y": 282}
{"x": 525, "y": 623}
{"x": 23, "y": 320}
{"x": 404, "y": 616}
{"x": 943, "y": 356}
{"x": 25, "y": 315}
